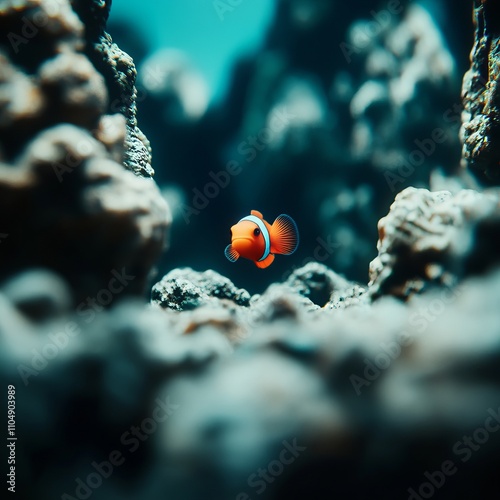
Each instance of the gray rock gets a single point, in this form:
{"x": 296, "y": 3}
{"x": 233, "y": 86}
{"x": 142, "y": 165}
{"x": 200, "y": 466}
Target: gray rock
{"x": 186, "y": 289}
{"x": 316, "y": 282}
{"x": 482, "y": 99}
{"x": 382, "y": 392}
{"x": 68, "y": 200}
{"x": 39, "y": 294}
{"x": 434, "y": 238}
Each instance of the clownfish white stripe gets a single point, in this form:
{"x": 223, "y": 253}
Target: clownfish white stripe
{"x": 264, "y": 231}
{"x": 255, "y": 239}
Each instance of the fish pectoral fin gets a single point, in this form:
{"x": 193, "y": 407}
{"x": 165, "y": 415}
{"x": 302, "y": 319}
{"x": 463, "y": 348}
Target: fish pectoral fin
{"x": 231, "y": 254}
{"x": 266, "y": 262}
{"x": 284, "y": 235}
{"x": 257, "y": 214}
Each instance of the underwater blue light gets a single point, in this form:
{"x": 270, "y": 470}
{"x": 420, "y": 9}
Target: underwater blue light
{"x": 211, "y": 34}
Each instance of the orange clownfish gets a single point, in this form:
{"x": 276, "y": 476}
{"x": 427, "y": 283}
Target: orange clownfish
{"x": 255, "y": 239}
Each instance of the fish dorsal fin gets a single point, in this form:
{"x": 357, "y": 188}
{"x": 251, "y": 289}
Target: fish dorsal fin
{"x": 257, "y": 214}
{"x": 284, "y": 235}
{"x": 231, "y": 254}
{"x": 266, "y": 262}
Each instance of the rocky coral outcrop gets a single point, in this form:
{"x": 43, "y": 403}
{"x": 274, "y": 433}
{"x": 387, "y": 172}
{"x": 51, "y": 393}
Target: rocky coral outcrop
{"x": 185, "y": 289}
{"x": 69, "y": 199}
{"x": 434, "y": 238}
{"x": 119, "y": 70}
{"x": 481, "y": 96}
{"x": 218, "y": 302}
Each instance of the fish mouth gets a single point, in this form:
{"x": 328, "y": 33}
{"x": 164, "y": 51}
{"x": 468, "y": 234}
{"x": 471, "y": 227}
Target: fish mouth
{"x": 242, "y": 238}
{"x": 242, "y": 244}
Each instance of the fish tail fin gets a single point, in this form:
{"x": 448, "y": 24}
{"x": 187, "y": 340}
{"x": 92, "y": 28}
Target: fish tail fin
{"x": 231, "y": 254}
{"x": 266, "y": 262}
{"x": 284, "y": 235}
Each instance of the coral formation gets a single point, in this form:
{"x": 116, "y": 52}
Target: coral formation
{"x": 119, "y": 70}
{"x": 184, "y": 289}
{"x": 481, "y": 96}
{"x": 434, "y": 238}
{"x": 66, "y": 199}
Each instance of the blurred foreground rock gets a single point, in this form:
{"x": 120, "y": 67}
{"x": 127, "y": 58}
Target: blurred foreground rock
{"x": 203, "y": 403}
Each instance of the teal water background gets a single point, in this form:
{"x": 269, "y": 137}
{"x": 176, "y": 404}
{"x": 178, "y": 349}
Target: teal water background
{"x": 212, "y": 39}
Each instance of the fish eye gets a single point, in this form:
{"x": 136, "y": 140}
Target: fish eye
{"x": 256, "y": 231}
